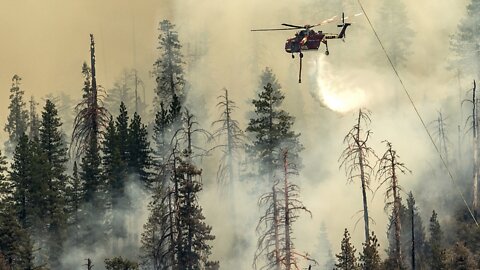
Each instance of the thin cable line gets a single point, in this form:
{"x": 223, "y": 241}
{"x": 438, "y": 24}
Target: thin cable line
{"x": 418, "y": 114}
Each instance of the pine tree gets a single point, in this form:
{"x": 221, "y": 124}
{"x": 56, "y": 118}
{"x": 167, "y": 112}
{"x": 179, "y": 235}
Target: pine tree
{"x": 346, "y": 259}
{"x": 355, "y": 160}
{"x": 176, "y": 235}
{"x": 462, "y": 258}
{"x": 139, "y": 159}
{"x": 271, "y": 130}
{"x": 74, "y": 198}
{"x": 17, "y": 120}
{"x": 418, "y": 237}
{"x": 15, "y": 245}
{"x": 21, "y": 179}
{"x": 88, "y": 124}
{"x": 161, "y": 130}
{"x": 436, "y": 252}
{"x": 55, "y": 151}
{"x": 121, "y": 126}
{"x": 175, "y": 111}
{"x": 193, "y": 232}
{"x": 370, "y": 258}
{"x": 115, "y": 174}
{"x": 465, "y": 43}
{"x": 119, "y": 263}
{"x": 168, "y": 69}
{"x": 122, "y": 92}
{"x": 27, "y": 190}
{"x": 159, "y": 235}
{"x": 34, "y": 123}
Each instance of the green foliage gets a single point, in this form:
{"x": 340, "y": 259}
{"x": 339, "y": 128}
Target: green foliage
{"x": 436, "y": 252}
{"x": 158, "y": 240}
{"x": 168, "y": 69}
{"x": 139, "y": 160}
{"x": 55, "y": 153}
{"x": 17, "y": 119}
{"x": 121, "y": 131}
{"x": 418, "y": 230}
{"x": 15, "y": 244}
{"x": 74, "y": 198}
{"x": 370, "y": 258}
{"x": 462, "y": 258}
{"x": 193, "y": 231}
{"x": 34, "y": 123}
{"x": 271, "y": 130}
{"x": 161, "y": 131}
{"x": 346, "y": 259}
{"x": 25, "y": 189}
{"x": 119, "y": 263}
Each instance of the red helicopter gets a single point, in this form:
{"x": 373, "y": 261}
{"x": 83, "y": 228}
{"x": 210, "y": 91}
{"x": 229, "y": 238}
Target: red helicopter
{"x": 307, "y": 39}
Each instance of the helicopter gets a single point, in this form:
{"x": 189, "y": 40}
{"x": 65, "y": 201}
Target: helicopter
{"x": 308, "y": 39}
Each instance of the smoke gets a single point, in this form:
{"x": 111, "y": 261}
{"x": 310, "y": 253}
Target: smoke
{"x": 336, "y": 90}
{"x": 131, "y": 218}
{"x": 220, "y": 51}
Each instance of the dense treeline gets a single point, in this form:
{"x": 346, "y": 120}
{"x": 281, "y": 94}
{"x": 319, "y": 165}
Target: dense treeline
{"x": 67, "y": 188}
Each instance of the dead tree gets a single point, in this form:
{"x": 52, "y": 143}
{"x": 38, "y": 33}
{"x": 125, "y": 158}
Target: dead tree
{"x": 89, "y": 264}
{"x": 441, "y": 135}
{"x": 91, "y": 116}
{"x": 292, "y": 207}
{"x": 472, "y": 121}
{"x": 355, "y": 160}
{"x": 388, "y": 169}
{"x": 234, "y": 139}
{"x": 275, "y": 226}
{"x": 269, "y": 227}
{"x": 231, "y": 142}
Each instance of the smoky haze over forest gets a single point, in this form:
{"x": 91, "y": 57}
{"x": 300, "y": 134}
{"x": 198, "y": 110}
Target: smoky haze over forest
{"x": 46, "y": 42}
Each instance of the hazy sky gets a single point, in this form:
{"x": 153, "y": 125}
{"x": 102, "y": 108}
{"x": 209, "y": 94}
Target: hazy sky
{"x": 45, "y": 42}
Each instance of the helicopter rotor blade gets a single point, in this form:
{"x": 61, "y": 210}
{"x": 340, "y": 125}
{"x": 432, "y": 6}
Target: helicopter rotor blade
{"x": 334, "y": 19}
{"x": 354, "y": 15}
{"x": 272, "y": 29}
{"x": 325, "y": 21}
{"x": 294, "y": 26}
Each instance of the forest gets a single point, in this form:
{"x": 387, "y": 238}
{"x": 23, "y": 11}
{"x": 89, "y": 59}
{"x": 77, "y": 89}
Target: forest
{"x": 195, "y": 156}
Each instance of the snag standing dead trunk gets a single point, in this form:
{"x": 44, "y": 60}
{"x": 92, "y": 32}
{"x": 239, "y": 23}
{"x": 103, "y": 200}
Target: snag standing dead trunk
{"x": 475, "y": 149}
{"x": 355, "y": 161}
{"x": 389, "y": 166}
{"x": 288, "y": 254}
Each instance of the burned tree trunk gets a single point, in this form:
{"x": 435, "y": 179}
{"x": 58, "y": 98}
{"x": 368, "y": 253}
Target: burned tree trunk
{"x": 388, "y": 170}
{"x": 355, "y": 161}
{"x": 475, "y": 150}
{"x": 288, "y": 251}
{"x": 474, "y": 127}
{"x": 275, "y": 226}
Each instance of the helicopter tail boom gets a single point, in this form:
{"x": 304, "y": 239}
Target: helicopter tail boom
{"x": 344, "y": 29}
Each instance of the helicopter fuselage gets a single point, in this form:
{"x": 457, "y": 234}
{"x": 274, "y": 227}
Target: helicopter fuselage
{"x": 304, "y": 40}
